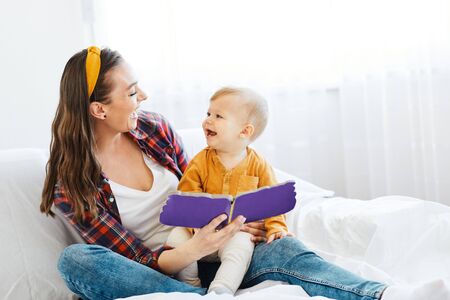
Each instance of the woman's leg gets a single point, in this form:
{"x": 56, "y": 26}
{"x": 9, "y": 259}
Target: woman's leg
{"x": 95, "y": 272}
{"x": 289, "y": 260}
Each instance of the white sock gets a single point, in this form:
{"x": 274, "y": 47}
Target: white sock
{"x": 436, "y": 290}
{"x": 220, "y": 290}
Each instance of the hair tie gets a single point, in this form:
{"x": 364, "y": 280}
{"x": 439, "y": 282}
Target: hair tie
{"x": 93, "y": 63}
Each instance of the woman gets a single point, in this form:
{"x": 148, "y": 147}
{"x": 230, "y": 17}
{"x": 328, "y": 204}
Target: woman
{"x": 109, "y": 172}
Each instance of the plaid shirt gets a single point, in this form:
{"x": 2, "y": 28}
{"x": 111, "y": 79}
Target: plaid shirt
{"x": 157, "y": 139}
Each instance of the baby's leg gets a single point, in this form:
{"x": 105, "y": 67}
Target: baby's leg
{"x": 178, "y": 236}
{"x": 235, "y": 257}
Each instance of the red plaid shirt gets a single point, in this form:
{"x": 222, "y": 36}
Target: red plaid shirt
{"x": 157, "y": 139}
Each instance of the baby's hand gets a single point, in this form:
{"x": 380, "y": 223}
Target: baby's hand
{"x": 278, "y": 235}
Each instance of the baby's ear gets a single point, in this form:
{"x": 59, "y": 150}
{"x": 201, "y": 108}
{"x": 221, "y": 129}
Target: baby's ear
{"x": 247, "y": 131}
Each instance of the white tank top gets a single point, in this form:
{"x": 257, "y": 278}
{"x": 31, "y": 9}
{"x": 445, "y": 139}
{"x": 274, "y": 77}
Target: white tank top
{"x": 139, "y": 210}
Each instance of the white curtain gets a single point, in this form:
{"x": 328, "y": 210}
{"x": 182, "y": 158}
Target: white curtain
{"x": 359, "y": 91}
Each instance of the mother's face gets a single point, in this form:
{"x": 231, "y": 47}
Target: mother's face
{"x": 125, "y": 96}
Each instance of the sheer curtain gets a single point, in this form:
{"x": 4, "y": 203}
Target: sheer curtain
{"x": 358, "y": 91}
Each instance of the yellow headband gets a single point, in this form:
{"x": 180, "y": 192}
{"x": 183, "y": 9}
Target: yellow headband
{"x": 93, "y": 62}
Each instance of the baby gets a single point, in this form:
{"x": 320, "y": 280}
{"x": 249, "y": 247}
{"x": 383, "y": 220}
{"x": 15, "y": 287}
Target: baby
{"x": 235, "y": 118}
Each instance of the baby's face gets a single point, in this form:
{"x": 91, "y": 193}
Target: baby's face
{"x": 225, "y": 120}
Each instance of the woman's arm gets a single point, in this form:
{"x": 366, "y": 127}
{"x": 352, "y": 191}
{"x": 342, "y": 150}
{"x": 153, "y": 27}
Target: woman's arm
{"x": 205, "y": 241}
{"x": 106, "y": 230}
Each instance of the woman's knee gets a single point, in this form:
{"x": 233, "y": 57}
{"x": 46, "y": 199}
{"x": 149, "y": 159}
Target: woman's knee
{"x": 76, "y": 256}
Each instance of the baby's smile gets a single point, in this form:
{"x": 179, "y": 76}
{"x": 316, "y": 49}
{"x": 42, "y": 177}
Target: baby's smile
{"x": 210, "y": 132}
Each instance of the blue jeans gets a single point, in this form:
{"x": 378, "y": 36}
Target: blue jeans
{"x": 94, "y": 272}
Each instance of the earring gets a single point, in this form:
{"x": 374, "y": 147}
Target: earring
{"x": 104, "y": 116}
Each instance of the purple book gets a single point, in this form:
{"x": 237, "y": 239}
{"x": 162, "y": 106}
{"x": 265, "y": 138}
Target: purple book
{"x": 195, "y": 210}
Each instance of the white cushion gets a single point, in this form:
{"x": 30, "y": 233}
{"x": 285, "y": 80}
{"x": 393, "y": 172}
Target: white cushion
{"x": 31, "y": 241}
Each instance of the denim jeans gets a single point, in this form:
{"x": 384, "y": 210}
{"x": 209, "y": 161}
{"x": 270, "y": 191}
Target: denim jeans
{"x": 94, "y": 272}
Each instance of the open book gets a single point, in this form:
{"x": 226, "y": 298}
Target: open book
{"x": 196, "y": 210}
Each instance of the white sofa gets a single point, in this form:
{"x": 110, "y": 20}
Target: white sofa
{"x": 393, "y": 239}
{"x": 32, "y": 242}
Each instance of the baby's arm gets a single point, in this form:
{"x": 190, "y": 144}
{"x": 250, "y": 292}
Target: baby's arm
{"x": 276, "y": 226}
{"x": 192, "y": 178}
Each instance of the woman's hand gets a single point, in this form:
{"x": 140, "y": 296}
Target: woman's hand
{"x": 208, "y": 240}
{"x": 205, "y": 241}
{"x": 257, "y": 230}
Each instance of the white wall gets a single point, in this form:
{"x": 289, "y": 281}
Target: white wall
{"x": 36, "y": 40}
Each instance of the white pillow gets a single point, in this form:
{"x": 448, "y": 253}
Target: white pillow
{"x": 31, "y": 241}
{"x": 391, "y": 233}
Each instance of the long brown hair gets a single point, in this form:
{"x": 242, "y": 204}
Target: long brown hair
{"x": 72, "y": 162}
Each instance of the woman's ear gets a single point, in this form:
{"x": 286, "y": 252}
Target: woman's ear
{"x": 247, "y": 131}
{"x": 96, "y": 109}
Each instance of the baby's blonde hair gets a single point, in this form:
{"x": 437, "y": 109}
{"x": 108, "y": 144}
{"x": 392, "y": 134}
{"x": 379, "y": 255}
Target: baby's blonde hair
{"x": 256, "y": 105}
